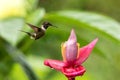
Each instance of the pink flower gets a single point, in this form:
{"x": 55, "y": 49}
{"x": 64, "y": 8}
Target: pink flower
{"x": 73, "y": 57}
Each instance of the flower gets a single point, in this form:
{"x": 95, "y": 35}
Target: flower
{"x": 73, "y": 57}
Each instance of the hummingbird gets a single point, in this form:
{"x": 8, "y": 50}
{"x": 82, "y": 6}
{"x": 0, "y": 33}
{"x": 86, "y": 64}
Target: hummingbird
{"x": 38, "y": 31}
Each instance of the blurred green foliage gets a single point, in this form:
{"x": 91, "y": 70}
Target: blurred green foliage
{"x": 21, "y": 58}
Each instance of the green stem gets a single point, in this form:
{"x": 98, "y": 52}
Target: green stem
{"x": 18, "y": 56}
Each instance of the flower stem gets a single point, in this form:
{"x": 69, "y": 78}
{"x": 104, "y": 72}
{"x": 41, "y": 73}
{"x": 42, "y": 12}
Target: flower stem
{"x": 71, "y": 78}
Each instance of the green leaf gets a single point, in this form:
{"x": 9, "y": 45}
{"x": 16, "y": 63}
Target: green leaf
{"x": 9, "y": 29}
{"x": 102, "y": 23}
{"x": 88, "y": 26}
{"x": 36, "y": 16}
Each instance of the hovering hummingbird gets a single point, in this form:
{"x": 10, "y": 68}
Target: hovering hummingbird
{"x": 38, "y": 32}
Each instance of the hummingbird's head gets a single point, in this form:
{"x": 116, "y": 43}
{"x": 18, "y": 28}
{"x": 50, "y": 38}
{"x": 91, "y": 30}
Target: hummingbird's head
{"x": 46, "y": 25}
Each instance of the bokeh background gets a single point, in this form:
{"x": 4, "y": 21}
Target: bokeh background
{"x": 21, "y": 58}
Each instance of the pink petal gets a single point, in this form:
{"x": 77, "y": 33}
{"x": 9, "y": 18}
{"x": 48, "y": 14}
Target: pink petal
{"x": 71, "y": 48}
{"x": 72, "y": 36}
{"x": 73, "y": 72}
{"x": 85, "y": 51}
{"x": 58, "y": 65}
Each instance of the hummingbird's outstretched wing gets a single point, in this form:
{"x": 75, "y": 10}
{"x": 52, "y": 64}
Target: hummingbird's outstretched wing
{"x": 36, "y": 29}
{"x": 32, "y": 36}
{"x": 26, "y": 32}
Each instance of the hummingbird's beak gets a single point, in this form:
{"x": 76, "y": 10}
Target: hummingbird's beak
{"x": 54, "y": 26}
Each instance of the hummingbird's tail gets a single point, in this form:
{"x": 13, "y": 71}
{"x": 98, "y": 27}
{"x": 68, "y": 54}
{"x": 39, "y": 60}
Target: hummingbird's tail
{"x": 26, "y": 32}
